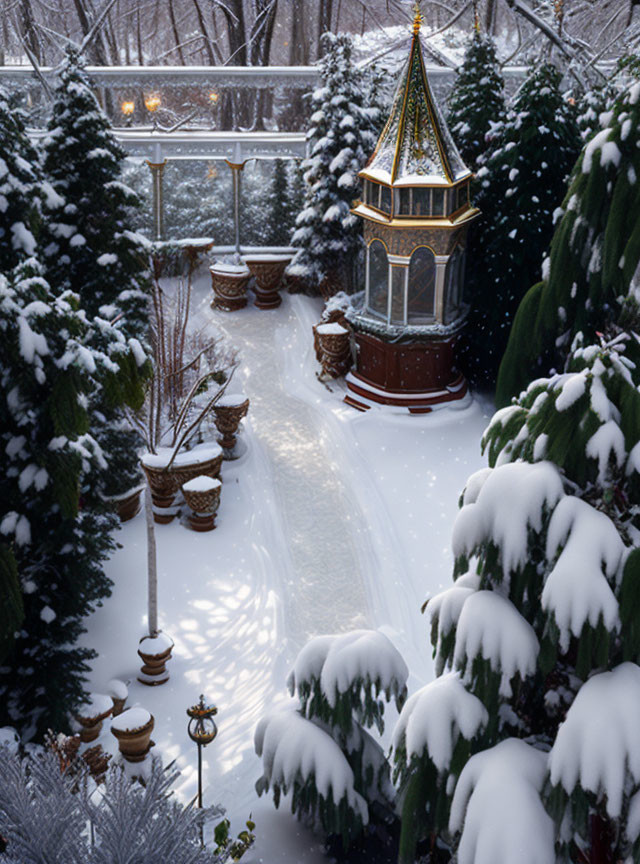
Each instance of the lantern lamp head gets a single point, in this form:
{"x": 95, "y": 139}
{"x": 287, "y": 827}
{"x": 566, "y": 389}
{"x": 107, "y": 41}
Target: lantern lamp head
{"x": 202, "y": 728}
{"x": 152, "y": 103}
{"x": 418, "y": 18}
{"x": 213, "y": 97}
{"x": 128, "y": 107}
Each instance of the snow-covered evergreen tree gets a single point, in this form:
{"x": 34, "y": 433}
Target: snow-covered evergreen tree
{"x": 279, "y": 215}
{"x": 594, "y": 254}
{"x": 522, "y": 182}
{"x": 19, "y": 188}
{"x": 477, "y": 100}
{"x": 318, "y": 748}
{"x": 345, "y": 122}
{"x": 53, "y": 361}
{"x": 525, "y": 739}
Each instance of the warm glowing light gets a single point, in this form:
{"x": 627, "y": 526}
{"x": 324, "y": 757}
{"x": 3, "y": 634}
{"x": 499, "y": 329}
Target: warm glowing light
{"x": 212, "y": 172}
{"x": 152, "y": 103}
{"x": 128, "y": 108}
{"x": 213, "y": 97}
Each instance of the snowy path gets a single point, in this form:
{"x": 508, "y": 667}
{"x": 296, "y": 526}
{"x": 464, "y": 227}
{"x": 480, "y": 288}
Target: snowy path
{"x": 330, "y": 520}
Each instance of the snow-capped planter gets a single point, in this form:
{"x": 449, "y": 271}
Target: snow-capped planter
{"x": 119, "y": 692}
{"x": 9, "y": 738}
{"x": 166, "y": 477}
{"x": 229, "y": 411}
{"x": 133, "y": 730}
{"x": 202, "y": 495}
{"x": 268, "y": 271}
{"x": 333, "y": 345}
{"x": 127, "y": 505}
{"x": 229, "y": 283}
{"x": 90, "y": 716}
{"x": 154, "y": 651}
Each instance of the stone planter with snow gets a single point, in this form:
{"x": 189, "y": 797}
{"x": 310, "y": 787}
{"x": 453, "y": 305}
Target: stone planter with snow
{"x": 165, "y": 482}
{"x": 119, "y": 692}
{"x": 334, "y": 349}
{"x": 154, "y": 652}
{"x": 229, "y": 283}
{"x": 268, "y": 271}
{"x": 90, "y": 716}
{"x": 202, "y": 495}
{"x": 229, "y": 411}
{"x": 128, "y": 505}
{"x": 133, "y": 730}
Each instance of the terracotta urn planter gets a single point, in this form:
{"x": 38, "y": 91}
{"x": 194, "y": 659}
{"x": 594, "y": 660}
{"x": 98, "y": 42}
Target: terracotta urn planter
{"x": 119, "y": 693}
{"x": 165, "y": 481}
{"x": 229, "y": 411}
{"x": 133, "y": 730}
{"x": 202, "y": 495}
{"x": 333, "y": 345}
{"x": 128, "y": 505}
{"x": 268, "y": 271}
{"x": 229, "y": 283}
{"x": 90, "y": 716}
{"x": 154, "y": 652}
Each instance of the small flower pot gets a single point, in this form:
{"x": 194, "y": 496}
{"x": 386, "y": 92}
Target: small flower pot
{"x": 268, "y": 271}
{"x": 154, "y": 652}
{"x": 119, "y": 694}
{"x": 165, "y": 480}
{"x": 133, "y": 729}
{"x": 164, "y": 486}
{"x": 229, "y": 411}
{"x": 204, "y": 459}
{"x": 202, "y": 495}
{"x": 128, "y": 505}
{"x": 229, "y": 283}
{"x": 90, "y": 716}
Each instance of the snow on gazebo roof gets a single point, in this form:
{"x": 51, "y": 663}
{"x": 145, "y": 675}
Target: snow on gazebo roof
{"x": 415, "y": 147}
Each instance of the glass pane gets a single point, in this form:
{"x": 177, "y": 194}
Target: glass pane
{"x": 397, "y": 294}
{"x": 385, "y": 199}
{"x": 421, "y": 201}
{"x": 378, "y": 278}
{"x": 438, "y": 202}
{"x": 405, "y": 202}
{"x": 198, "y": 201}
{"x": 422, "y": 285}
{"x": 369, "y": 189}
{"x": 451, "y": 287}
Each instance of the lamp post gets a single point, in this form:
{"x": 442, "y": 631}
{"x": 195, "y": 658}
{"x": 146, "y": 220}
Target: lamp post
{"x": 237, "y": 167}
{"x": 157, "y": 166}
{"x": 202, "y": 729}
{"x": 127, "y": 108}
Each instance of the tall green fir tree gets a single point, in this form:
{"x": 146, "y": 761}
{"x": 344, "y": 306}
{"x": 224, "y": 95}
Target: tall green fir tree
{"x": 521, "y": 184}
{"x": 345, "y": 126}
{"x": 88, "y": 247}
{"x": 52, "y": 361}
{"x": 280, "y": 216}
{"x": 522, "y": 748}
{"x": 591, "y": 268}
{"x": 477, "y": 101}
{"x": 20, "y": 187}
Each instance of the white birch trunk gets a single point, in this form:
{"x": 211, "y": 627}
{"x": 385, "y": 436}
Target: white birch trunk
{"x": 152, "y": 566}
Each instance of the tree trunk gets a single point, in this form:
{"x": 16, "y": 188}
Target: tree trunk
{"x": 490, "y": 17}
{"x": 205, "y": 34}
{"x": 174, "y": 28}
{"x": 152, "y": 566}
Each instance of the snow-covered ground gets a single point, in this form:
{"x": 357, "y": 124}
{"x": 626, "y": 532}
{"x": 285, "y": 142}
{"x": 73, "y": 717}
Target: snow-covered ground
{"x": 330, "y": 520}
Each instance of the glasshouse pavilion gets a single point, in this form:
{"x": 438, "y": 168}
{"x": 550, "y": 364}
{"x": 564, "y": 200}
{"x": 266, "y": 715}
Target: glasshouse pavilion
{"x": 416, "y": 213}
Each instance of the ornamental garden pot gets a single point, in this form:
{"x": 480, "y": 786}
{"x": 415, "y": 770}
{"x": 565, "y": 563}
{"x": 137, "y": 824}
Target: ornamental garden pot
{"x": 133, "y": 729}
{"x": 119, "y": 692}
{"x": 333, "y": 345}
{"x": 229, "y": 283}
{"x": 90, "y": 716}
{"x": 229, "y": 411}
{"x": 128, "y": 505}
{"x": 165, "y": 481}
{"x": 202, "y": 495}
{"x": 154, "y": 652}
{"x": 268, "y": 271}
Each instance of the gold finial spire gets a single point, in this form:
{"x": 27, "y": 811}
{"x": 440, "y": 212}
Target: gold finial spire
{"x": 417, "y": 19}
{"x": 476, "y": 17}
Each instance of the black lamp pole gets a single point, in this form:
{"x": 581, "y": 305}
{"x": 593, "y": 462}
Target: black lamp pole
{"x": 202, "y": 729}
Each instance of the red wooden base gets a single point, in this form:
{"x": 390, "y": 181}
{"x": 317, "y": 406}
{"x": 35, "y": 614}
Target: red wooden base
{"x": 417, "y": 376}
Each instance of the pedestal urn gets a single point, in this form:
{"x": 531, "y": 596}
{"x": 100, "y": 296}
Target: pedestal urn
{"x": 268, "y": 271}
{"x": 229, "y": 283}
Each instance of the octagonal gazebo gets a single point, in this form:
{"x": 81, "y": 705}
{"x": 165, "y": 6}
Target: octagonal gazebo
{"x": 416, "y": 213}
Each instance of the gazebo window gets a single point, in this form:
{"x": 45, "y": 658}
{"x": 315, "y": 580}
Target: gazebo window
{"x": 398, "y": 280}
{"x": 378, "y": 278}
{"x": 438, "y": 202}
{"x": 404, "y": 207}
{"x": 454, "y": 283}
{"x": 421, "y": 201}
{"x": 371, "y": 192}
{"x": 385, "y": 199}
{"x": 422, "y": 286}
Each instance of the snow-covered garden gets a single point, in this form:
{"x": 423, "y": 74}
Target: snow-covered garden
{"x": 348, "y": 526}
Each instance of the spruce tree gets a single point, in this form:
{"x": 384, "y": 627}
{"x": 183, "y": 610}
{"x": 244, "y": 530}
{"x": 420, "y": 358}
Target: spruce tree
{"x": 522, "y": 748}
{"x": 594, "y": 253}
{"x": 278, "y": 207}
{"x": 477, "y": 100}
{"x": 318, "y": 747}
{"x": 88, "y": 247}
{"x": 345, "y": 122}
{"x": 19, "y": 188}
{"x": 53, "y": 362}
{"x": 521, "y": 184}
